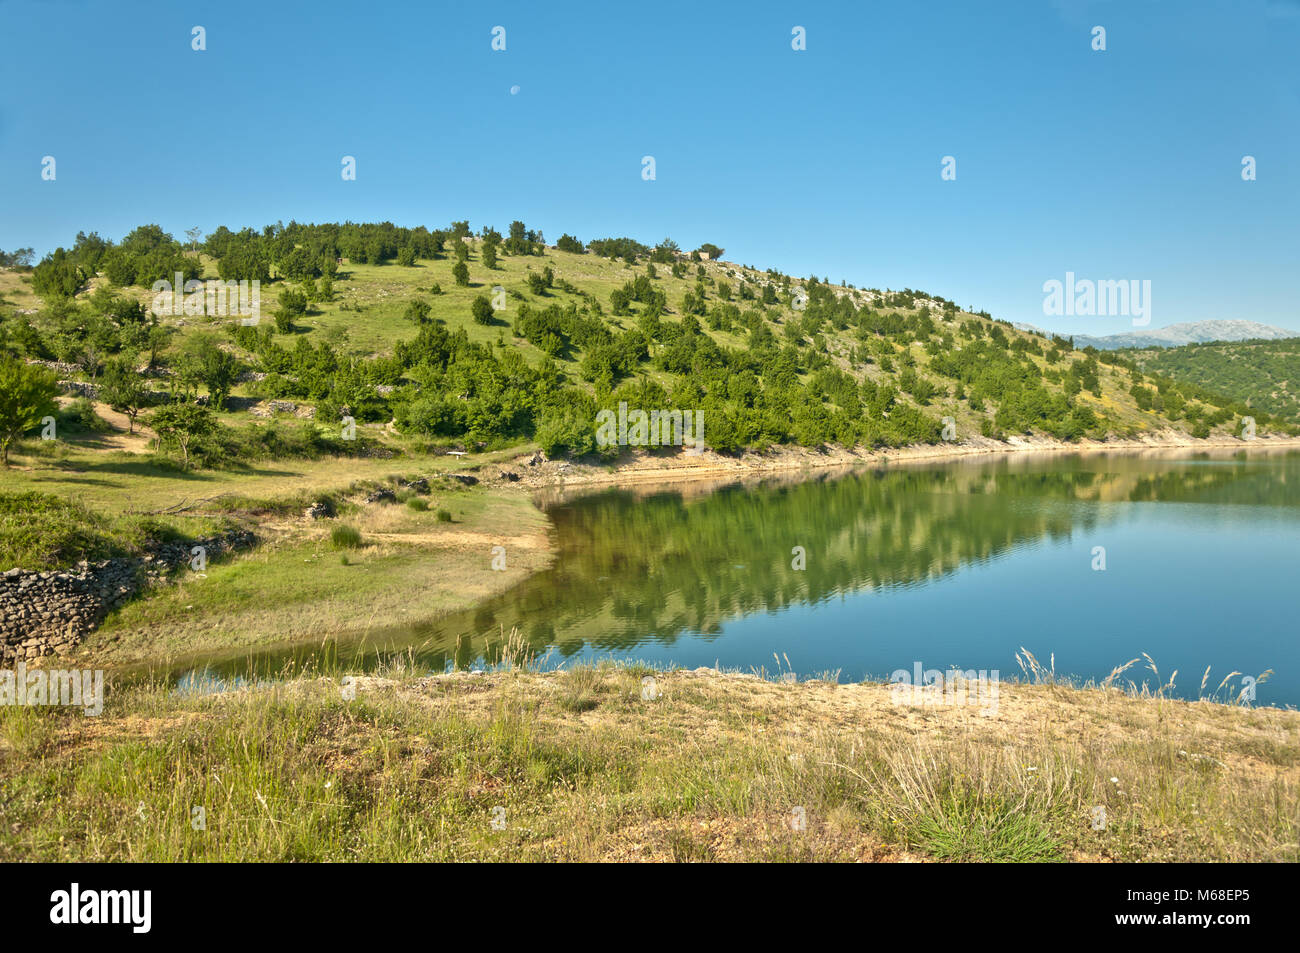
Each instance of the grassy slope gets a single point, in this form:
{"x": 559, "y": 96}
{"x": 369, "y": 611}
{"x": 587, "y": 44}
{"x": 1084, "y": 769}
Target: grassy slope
{"x": 586, "y": 770}
{"x": 1263, "y": 374}
{"x": 382, "y": 292}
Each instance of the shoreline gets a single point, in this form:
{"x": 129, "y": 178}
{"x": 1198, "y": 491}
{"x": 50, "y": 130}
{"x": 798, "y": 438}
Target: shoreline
{"x": 640, "y": 467}
{"x": 543, "y": 484}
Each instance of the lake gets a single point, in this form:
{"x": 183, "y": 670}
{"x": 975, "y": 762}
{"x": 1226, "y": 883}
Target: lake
{"x": 954, "y": 564}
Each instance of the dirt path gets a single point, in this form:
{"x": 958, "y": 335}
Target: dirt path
{"x": 121, "y": 438}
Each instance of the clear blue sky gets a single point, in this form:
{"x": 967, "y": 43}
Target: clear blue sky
{"x": 1117, "y": 164}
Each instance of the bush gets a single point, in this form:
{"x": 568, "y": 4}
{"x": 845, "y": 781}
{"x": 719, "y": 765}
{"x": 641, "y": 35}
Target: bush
{"x": 41, "y": 531}
{"x": 444, "y": 516}
{"x": 418, "y": 504}
{"x": 345, "y": 537}
{"x": 80, "y": 417}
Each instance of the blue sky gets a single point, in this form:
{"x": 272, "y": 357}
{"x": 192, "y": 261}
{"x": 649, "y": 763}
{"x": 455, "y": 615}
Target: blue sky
{"x": 1123, "y": 164}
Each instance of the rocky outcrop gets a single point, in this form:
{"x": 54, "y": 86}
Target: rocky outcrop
{"x": 43, "y": 613}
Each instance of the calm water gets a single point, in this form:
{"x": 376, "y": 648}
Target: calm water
{"x": 956, "y": 564}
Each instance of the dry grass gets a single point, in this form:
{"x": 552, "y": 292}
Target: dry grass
{"x": 717, "y": 767}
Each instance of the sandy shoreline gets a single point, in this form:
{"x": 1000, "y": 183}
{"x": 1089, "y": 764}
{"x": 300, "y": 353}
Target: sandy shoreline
{"x": 640, "y": 467}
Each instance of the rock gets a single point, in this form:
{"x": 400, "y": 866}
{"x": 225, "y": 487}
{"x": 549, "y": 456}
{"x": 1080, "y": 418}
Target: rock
{"x": 382, "y": 495}
{"x": 319, "y": 510}
{"x": 464, "y": 478}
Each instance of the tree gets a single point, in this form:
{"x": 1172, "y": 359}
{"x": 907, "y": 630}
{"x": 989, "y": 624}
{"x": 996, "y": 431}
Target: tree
{"x": 417, "y": 311}
{"x": 57, "y": 276}
{"x": 123, "y": 390}
{"x": 482, "y": 310}
{"x": 20, "y": 258}
{"x": 27, "y": 394}
{"x": 203, "y": 362}
{"x": 461, "y": 273}
{"x": 182, "y": 423}
{"x": 292, "y": 304}
{"x": 570, "y": 244}
{"x": 489, "y": 255}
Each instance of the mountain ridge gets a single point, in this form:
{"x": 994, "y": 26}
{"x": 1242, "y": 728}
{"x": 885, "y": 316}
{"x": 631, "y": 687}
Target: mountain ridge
{"x": 1187, "y": 332}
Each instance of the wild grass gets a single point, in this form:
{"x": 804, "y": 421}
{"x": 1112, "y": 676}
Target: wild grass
{"x": 582, "y": 766}
{"x": 344, "y": 536}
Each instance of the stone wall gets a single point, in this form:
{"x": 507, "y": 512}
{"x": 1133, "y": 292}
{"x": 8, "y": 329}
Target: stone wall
{"x": 44, "y": 613}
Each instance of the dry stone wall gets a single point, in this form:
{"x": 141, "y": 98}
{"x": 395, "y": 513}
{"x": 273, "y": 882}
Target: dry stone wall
{"x": 46, "y": 613}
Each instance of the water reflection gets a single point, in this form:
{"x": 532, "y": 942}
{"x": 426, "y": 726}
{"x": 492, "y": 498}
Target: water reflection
{"x": 662, "y": 571}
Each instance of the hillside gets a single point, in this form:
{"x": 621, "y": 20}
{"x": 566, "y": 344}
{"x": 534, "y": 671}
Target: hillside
{"x": 1260, "y": 374}
{"x": 374, "y": 322}
{"x": 1193, "y": 332}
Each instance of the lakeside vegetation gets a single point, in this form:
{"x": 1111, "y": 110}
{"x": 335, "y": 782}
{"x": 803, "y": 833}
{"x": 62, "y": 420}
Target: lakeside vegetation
{"x": 579, "y": 765}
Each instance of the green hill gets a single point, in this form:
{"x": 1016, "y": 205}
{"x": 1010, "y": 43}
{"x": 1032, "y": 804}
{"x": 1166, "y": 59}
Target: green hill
{"x": 1264, "y": 375}
{"x": 434, "y": 337}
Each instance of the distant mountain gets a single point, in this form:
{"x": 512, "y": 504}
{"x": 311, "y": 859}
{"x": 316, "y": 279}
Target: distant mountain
{"x": 1194, "y": 332}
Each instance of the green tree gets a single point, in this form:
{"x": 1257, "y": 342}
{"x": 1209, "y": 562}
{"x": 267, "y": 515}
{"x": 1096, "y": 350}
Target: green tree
{"x": 482, "y": 310}
{"x": 292, "y": 304}
{"x": 123, "y": 389}
{"x": 27, "y": 394}
{"x": 57, "y": 276}
{"x": 203, "y": 362}
{"x": 182, "y": 424}
{"x": 417, "y": 311}
{"x": 460, "y": 271}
